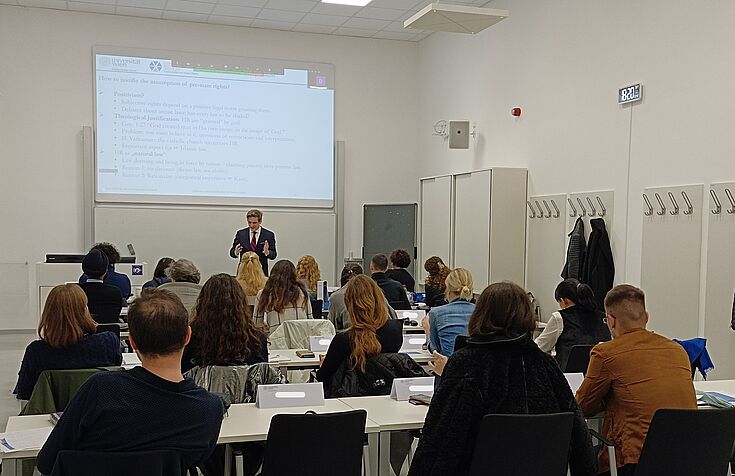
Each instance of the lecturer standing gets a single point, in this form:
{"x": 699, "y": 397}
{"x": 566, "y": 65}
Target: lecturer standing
{"x": 255, "y": 238}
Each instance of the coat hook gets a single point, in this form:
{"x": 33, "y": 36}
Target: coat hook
{"x": 730, "y": 210}
{"x": 583, "y": 211}
{"x": 573, "y": 213}
{"x": 675, "y": 211}
{"x": 557, "y": 214}
{"x": 690, "y": 208}
{"x": 592, "y": 207}
{"x": 603, "y": 210}
{"x": 547, "y": 209}
{"x": 540, "y": 211}
{"x": 716, "y": 199}
{"x": 660, "y": 204}
{"x": 530, "y": 207}
{"x": 648, "y": 212}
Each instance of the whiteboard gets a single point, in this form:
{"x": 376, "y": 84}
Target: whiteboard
{"x": 205, "y": 235}
{"x": 435, "y": 230}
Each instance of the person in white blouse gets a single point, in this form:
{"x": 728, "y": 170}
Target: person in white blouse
{"x": 578, "y": 322}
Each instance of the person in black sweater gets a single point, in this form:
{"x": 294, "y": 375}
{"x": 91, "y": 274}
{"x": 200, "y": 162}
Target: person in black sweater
{"x": 435, "y": 284}
{"x": 147, "y": 408}
{"x": 394, "y": 291}
{"x": 68, "y": 340}
{"x": 222, "y": 332}
{"x": 400, "y": 259}
{"x": 371, "y": 331}
{"x": 104, "y": 300}
{"x": 499, "y": 370}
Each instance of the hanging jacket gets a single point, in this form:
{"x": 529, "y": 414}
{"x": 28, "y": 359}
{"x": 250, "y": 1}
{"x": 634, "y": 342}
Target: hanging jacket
{"x": 732, "y": 321}
{"x": 238, "y": 382}
{"x": 575, "y": 252}
{"x": 599, "y": 269}
{"x": 377, "y": 379}
{"x": 581, "y": 327}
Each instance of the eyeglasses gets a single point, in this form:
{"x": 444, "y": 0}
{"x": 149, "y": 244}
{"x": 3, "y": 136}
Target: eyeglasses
{"x": 608, "y": 315}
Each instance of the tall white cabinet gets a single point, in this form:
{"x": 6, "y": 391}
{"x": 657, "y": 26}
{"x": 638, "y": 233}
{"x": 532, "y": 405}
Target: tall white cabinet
{"x": 477, "y": 221}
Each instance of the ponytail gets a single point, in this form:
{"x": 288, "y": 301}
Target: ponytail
{"x": 459, "y": 283}
{"x": 580, "y": 294}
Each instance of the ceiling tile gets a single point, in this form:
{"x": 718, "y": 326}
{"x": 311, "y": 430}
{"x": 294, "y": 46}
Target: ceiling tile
{"x": 332, "y": 9}
{"x": 91, "y": 7}
{"x": 397, "y": 26}
{"x": 185, "y": 16}
{"x": 280, "y": 15}
{"x": 138, "y": 12}
{"x": 233, "y": 21}
{"x": 393, "y": 35}
{"x": 245, "y": 3}
{"x": 154, "y": 4}
{"x": 57, "y": 4}
{"x": 291, "y": 5}
{"x": 354, "y": 32}
{"x": 235, "y": 11}
{"x": 272, "y": 25}
{"x": 366, "y": 23}
{"x": 330, "y": 20}
{"x": 304, "y": 28}
{"x": 189, "y": 6}
{"x": 103, "y": 2}
{"x": 8, "y": 2}
{"x": 380, "y": 13}
{"x": 400, "y": 4}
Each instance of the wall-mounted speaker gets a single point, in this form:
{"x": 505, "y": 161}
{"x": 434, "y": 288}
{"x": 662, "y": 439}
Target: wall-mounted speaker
{"x": 459, "y": 134}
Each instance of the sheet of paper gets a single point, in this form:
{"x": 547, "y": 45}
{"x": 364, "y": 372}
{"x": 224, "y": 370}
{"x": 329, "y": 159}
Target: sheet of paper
{"x": 23, "y": 440}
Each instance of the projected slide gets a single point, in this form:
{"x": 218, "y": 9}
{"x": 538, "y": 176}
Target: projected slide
{"x": 176, "y": 128}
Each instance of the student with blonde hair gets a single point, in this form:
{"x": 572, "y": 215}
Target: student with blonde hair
{"x": 444, "y": 323}
{"x": 67, "y": 340}
{"x": 307, "y": 270}
{"x": 250, "y": 276}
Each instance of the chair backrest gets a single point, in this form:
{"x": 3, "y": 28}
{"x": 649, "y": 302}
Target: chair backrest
{"x": 150, "y": 463}
{"x": 400, "y": 305}
{"x": 579, "y": 359}
{"x": 339, "y": 439}
{"x": 317, "y": 305}
{"x": 55, "y": 388}
{"x": 295, "y": 334}
{"x": 688, "y": 442}
{"x": 502, "y": 443}
{"x": 239, "y": 382}
{"x": 114, "y": 328}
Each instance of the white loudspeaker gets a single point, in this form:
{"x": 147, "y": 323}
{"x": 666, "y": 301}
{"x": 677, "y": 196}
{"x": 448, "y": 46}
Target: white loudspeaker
{"x": 459, "y": 134}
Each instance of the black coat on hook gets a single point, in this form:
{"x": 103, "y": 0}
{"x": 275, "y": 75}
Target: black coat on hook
{"x": 575, "y": 252}
{"x": 599, "y": 268}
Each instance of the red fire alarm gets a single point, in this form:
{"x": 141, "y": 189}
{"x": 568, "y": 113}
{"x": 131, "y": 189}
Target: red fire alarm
{"x": 516, "y": 112}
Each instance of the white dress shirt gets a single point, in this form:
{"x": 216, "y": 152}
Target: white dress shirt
{"x": 548, "y": 337}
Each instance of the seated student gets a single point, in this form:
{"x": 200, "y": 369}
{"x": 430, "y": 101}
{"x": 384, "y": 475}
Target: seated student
{"x": 307, "y": 271}
{"x": 400, "y": 259}
{"x": 499, "y": 370}
{"x": 222, "y": 332}
{"x": 145, "y": 408}
{"x": 159, "y": 275}
{"x": 68, "y": 340}
{"x": 394, "y": 291}
{"x": 577, "y": 323}
{"x": 435, "y": 286}
{"x": 371, "y": 331}
{"x": 337, "y": 309}
{"x": 104, "y": 300}
{"x": 284, "y": 298}
{"x": 119, "y": 280}
{"x": 632, "y": 376}
{"x": 184, "y": 283}
{"x": 444, "y": 323}
{"x": 250, "y": 275}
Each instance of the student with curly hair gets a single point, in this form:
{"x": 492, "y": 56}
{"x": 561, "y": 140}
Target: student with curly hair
{"x": 307, "y": 270}
{"x": 284, "y": 298}
{"x": 250, "y": 276}
{"x": 435, "y": 285}
{"x": 400, "y": 260}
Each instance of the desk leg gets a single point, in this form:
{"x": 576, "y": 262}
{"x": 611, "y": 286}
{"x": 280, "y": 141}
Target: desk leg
{"x": 373, "y": 452}
{"x": 384, "y": 469}
{"x": 228, "y": 460}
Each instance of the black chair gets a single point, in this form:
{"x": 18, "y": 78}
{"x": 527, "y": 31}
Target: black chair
{"x": 317, "y": 306}
{"x": 114, "y": 328}
{"x": 579, "y": 359}
{"x": 400, "y": 305}
{"x": 688, "y": 442}
{"x": 340, "y": 438}
{"x": 150, "y": 463}
{"x": 497, "y": 448}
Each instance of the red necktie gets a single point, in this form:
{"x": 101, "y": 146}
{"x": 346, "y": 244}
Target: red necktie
{"x": 253, "y": 242}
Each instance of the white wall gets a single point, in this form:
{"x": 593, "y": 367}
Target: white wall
{"x": 562, "y": 62}
{"x": 46, "y": 96}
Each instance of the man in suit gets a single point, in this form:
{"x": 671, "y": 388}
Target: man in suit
{"x": 255, "y": 238}
{"x": 394, "y": 291}
{"x": 103, "y": 300}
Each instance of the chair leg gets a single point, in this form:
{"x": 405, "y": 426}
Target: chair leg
{"x": 613, "y": 463}
{"x": 228, "y": 460}
{"x": 366, "y": 461}
{"x": 239, "y": 464}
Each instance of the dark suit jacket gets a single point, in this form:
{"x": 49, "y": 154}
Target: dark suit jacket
{"x": 243, "y": 237}
{"x": 393, "y": 290}
{"x": 105, "y": 302}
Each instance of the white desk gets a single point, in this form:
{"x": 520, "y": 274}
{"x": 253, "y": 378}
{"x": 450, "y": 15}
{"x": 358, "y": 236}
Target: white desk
{"x": 293, "y": 362}
{"x": 722, "y": 386}
{"x": 390, "y": 415}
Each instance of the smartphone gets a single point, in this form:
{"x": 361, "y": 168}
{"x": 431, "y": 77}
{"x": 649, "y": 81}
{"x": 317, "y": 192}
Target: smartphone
{"x": 305, "y": 354}
{"x": 419, "y": 399}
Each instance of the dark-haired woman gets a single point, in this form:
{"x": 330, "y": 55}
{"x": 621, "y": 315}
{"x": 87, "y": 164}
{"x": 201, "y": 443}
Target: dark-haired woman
{"x": 222, "y": 332}
{"x": 400, "y": 260}
{"x": 578, "y": 322}
{"x": 159, "y": 275}
{"x": 499, "y": 370}
{"x": 284, "y": 298}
